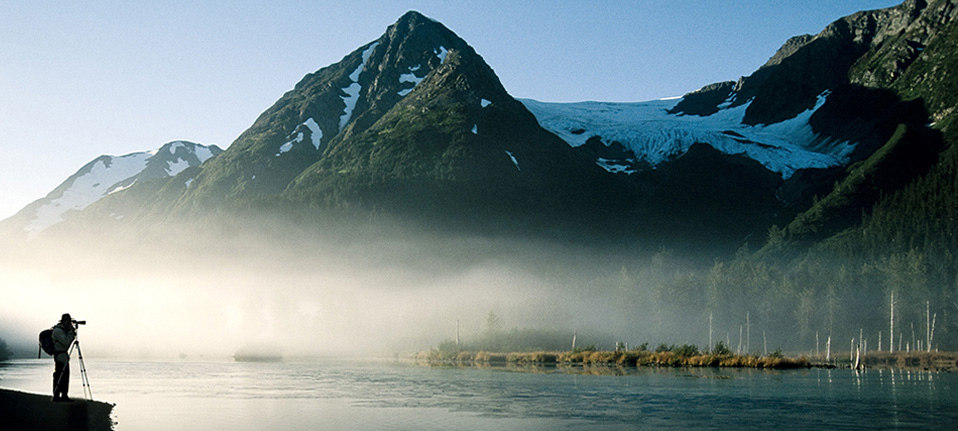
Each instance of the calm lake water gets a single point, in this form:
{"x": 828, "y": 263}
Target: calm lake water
{"x": 391, "y": 395}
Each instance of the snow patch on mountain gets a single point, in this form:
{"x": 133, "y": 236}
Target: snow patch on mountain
{"x": 352, "y": 90}
{"x": 122, "y": 187}
{"x": 441, "y": 53}
{"x": 203, "y": 153}
{"x": 513, "y": 158}
{"x": 289, "y": 144}
{"x": 614, "y": 166}
{"x": 175, "y": 146}
{"x": 654, "y": 136}
{"x": 315, "y": 135}
{"x": 410, "y": 77}
{"x": 174, "y": 167}
{"x": 484, "y": 102}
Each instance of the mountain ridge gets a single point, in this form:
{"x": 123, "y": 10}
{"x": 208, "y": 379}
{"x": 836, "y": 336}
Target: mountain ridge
{"x": 417, "y": 125}
{"x": 104, "y": 176}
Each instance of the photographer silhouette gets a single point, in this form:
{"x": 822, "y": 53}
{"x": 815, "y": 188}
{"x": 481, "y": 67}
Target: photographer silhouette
{"x": 64, "y": 334}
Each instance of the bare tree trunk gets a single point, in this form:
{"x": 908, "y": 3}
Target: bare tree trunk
{"x": 748, "y": 333}
{"x": 891, "y": 326}
{"x": 933, "y": 318}
{"x": 709, "y": 349}
{"x": 851, "y": 351}
{"x": 828, "y": 349}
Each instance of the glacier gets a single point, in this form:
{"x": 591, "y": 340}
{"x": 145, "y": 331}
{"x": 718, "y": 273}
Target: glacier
{"x": 655, "y": 136}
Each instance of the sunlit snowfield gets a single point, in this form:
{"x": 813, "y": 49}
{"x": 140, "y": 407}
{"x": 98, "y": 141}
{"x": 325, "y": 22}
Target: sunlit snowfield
{"x": 373, "y": 395}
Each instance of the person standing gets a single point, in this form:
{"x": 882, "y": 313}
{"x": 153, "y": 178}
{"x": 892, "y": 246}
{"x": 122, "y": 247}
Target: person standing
{"x": 63, "y": 336}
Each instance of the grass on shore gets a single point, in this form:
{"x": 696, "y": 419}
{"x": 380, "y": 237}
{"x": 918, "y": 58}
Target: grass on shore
{"x": 626, "y": 358}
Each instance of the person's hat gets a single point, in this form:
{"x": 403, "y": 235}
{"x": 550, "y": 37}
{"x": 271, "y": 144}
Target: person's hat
{"x": 66, "y": 317}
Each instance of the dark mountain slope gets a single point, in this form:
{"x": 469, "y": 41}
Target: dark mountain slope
{"x": 459, "y": 148}
{"x": 334, "y": 102}
{"x": 905, "y": 80}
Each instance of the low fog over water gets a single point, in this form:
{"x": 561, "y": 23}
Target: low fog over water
{"x": 303, "y": 293}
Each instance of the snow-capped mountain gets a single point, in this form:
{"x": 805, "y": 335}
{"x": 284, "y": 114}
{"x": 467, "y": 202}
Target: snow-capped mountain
{"x": 414, "y": 122}
{"x": 415, "y": 126}
{"x": 327, "y": 107}
{"x": 107, "y": 175}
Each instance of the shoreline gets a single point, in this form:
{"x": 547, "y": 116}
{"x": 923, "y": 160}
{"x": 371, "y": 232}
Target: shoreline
{"x": 907, "y": 361}
{"x": 24, "y": 410}
{"x": 923, "y": 361}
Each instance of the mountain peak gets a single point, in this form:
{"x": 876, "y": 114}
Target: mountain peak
{"x": 339, "y": 101}
{"x": 413, "y": 18}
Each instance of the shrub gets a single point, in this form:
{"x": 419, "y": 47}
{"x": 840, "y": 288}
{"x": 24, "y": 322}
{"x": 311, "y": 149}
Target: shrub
{"x": 589, "y": 348}
{"x": 721, "y": 349}
{"x": 686, "y": 351}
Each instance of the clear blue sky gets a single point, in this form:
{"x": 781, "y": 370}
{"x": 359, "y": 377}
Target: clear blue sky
{"x": 78, "y": 80}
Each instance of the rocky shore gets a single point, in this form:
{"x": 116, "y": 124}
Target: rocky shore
{"x": 26, "y": 411}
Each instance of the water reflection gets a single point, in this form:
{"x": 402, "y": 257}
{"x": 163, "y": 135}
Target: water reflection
{"x": 371, "y": 395}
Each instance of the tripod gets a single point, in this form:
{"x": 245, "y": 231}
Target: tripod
{"x": 87, "y": 392}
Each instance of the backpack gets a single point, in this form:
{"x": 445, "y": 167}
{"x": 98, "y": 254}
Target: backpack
{"x": 46, "y": 342}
